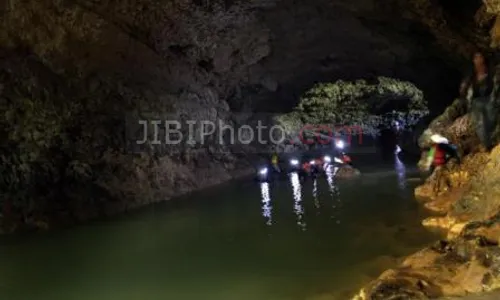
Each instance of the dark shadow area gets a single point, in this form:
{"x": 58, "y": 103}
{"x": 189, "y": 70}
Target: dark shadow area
{"x": 461, "y": 10}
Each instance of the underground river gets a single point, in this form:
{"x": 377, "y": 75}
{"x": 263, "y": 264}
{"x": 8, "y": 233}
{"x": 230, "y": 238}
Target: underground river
{"x": 242, "y": 240}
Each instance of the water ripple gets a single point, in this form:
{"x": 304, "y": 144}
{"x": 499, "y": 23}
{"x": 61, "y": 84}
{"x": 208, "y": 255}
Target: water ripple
{"x": 334, "y": 191}
{"x": 401, "y": 171}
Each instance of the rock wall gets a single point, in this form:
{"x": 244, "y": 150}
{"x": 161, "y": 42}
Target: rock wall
{"x": 465, "y": 198}
{"x": 71, "y": 74}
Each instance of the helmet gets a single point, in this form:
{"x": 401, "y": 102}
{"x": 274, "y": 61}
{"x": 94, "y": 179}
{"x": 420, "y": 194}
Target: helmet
{"x": 439, "y": 139}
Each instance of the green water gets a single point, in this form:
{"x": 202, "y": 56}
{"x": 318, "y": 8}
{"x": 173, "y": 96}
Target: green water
{"x": 241, "y": 241}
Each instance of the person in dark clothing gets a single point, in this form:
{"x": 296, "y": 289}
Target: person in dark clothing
{"x": 480, "y": 90}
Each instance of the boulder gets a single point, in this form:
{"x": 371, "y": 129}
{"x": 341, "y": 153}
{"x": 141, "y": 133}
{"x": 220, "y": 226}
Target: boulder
{"x": 347, "y": 172}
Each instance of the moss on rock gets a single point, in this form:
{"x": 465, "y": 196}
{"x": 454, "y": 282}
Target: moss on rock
{"x": 360, "y": 103}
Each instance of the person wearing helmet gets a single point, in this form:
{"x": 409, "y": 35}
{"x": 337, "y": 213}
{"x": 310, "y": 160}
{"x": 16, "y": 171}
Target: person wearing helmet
{"x": 440, "y": 152}
{"x": 274, "y": 162}
{"x": 346, "y": 159}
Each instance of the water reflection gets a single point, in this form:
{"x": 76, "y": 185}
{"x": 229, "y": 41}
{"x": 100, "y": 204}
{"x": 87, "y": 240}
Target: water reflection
{"x": 315, "y": 194}
{"x": 297, "y": 197}
{"x": 334, "y": 191}
{"x": 401, "y": 171}
{"x": 266, "y": 200}
{"x": 330, "y": 173}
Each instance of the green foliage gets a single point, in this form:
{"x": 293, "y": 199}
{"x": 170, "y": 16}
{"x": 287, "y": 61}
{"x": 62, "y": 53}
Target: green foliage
{"x": 334, "y": 103}
{"x": 358, "y": 102}
{"x": 290, "y": 122}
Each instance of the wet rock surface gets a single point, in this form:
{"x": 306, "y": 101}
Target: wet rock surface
{"x": 467, "y": 264}
{"x": 465, "y": 198}
{"x": 347, "y": 172}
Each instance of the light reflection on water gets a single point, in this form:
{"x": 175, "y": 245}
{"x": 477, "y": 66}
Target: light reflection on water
{"x": 401, "y": 172}
{"x": 315, "y": 195}
{"x": 297, "y": 197}
{"x": 220, "y": 249}
{"x": 334, "y": 192}
{"x": 330, "y": 173}
{"x": 266, "y": 200}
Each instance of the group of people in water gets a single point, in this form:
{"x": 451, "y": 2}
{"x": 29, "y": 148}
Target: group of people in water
{"x": 307, "y": 165}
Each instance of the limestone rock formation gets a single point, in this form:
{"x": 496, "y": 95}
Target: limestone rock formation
{"x": 356, "y": 102}
{"x": 353, "y": 108}
{"x": 448, "y": 268}
{"x": 465, "y": 198}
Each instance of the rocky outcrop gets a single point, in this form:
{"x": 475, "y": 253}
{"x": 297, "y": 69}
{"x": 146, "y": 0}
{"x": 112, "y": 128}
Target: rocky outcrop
{"x": 448, "y": 268}
{"x": 359, "y": 102}
{"x": 464, "y": 196}
{"x": 347, "y": 172}
{"x": 351, "y": 109}
{"x": 465, "y": 199}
